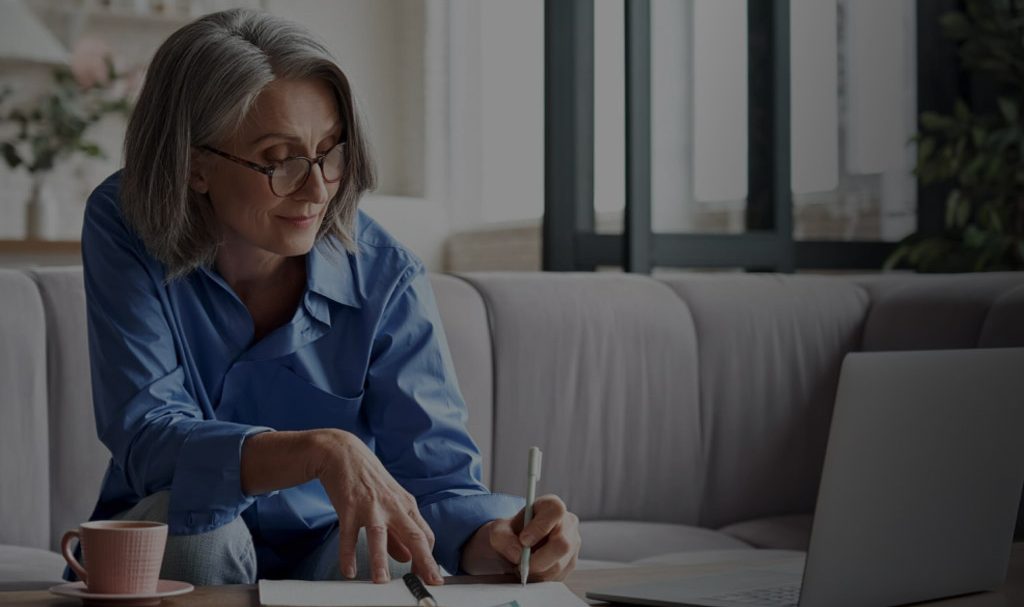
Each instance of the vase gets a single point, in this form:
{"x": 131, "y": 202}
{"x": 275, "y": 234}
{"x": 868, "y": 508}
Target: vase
{"x": 41, "y": 212}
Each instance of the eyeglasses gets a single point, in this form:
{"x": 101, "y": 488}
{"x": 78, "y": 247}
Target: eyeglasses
{"x": 290, "y": 175}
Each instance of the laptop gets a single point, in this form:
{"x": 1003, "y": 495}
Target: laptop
{"x": 918, "y": 497}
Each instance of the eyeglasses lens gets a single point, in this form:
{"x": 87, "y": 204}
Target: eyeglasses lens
{"x": 291, "y": 174}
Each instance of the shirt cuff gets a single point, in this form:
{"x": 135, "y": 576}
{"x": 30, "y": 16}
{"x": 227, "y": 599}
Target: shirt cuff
{"x": 456, "y": 519}
{"x": 207, "y": 488}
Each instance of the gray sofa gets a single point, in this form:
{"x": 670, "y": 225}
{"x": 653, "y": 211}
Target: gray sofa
{"x": 683, "y": 416}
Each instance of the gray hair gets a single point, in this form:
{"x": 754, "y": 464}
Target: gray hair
{"x": 199, "y": 88}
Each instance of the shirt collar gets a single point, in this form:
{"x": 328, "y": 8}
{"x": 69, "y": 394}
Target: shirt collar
{"x": 329, "y": 273}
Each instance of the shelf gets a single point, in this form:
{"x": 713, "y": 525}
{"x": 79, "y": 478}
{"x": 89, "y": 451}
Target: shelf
{"x": 40, "y": 247}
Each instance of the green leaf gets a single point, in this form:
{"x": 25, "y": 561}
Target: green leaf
{"x": 975, "y": 237}
{"x": 991, "y": 217}
{"x": 1009, "y": 109}
{"x": 900, "y": 253}
{"x": 925, "y": 148}
{"x": 961, "y": 111}
{"x": 111, "y": 70}
{"x": 978, "y": 136}
{"x": 934, "y": 121}
{"x": 970, "y": 173}
{"x": 91, "y": 149}
{"x": 11, "y": 154}
{"x": 954, "y": 215}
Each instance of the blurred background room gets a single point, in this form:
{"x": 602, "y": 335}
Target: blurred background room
{"x": 591, "y": 135}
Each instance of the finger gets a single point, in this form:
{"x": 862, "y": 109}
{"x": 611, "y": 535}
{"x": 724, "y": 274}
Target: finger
{"x": 377, "y": 543}
{"x": 348, "y": 536}
{"x": 414, "y": 513}
{"x": 413, "y": 538}
{"x": 552, "y": 574}
{"x": 397, "y": 550}
{"x": 517, "y": 521}
{"x": 548, "y": 511}
{"x": 505, "y": 541}
{"x": 572, "y": 564}
{"x": 557, "y": 548}
{"x": 557, "y": 572}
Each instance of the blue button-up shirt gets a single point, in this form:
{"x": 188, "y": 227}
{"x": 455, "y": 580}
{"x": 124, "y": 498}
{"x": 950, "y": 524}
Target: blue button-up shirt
{"x": 178, "y": 384}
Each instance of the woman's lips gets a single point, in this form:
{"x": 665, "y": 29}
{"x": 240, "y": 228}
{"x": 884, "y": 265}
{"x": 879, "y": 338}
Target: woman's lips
{"x": 300, "y": 221}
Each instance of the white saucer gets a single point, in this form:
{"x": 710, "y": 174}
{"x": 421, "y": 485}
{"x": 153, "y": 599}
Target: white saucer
{"x": 164, "y": 588}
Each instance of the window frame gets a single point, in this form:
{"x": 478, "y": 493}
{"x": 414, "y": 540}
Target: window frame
{"x": 570, "y": 242}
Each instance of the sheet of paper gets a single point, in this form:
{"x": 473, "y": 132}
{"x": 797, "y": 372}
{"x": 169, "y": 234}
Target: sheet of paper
{"x": 294, "y": 593}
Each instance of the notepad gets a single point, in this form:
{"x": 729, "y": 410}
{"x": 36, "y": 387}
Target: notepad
{"x": 294, "y": 593}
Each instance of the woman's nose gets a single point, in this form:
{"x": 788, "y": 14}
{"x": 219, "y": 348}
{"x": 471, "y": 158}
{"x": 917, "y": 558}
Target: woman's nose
{"x": 315, "y": 188}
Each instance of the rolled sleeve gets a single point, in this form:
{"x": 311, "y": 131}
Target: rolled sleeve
{"x": 456, "y": 519}
{"x": 207, "y": 488}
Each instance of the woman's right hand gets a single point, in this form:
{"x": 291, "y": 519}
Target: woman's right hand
{"x": 365, "y": 495}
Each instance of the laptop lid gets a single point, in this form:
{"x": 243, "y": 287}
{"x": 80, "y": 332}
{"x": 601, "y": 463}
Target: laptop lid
{"x": 922, "y": 478}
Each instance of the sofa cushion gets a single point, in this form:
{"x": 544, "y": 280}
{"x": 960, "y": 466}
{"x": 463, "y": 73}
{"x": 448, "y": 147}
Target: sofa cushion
{"x": 78, "y": 458}
{"x": 791, "y": 532}
{"x": 933, "y": 312}
{"x": 1004, "y": 327}
{"x": 24, "y": 460}
{"x": 600, "y": 371}
{"x": 30, "y": 568}
{"x": 629, "y": 541}
{"x": 1004, "y": 324}
{"x": 771, "y": 347}
{"x": 469, "y": 338}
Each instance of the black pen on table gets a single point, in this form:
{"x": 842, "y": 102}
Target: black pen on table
{"x": 425, "y": 599}
{"x": 418, "y": 590}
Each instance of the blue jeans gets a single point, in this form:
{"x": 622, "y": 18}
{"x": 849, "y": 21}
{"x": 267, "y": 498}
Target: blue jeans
{"x": 226, "y": 555}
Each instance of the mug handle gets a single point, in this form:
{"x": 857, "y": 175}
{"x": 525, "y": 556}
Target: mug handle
{"x": 65, "y": 549}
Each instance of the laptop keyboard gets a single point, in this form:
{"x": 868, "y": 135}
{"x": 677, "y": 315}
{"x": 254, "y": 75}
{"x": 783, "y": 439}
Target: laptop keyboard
{"x": 781, "y": 596}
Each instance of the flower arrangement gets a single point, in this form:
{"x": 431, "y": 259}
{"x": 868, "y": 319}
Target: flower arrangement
{"x": 54, "y": 127}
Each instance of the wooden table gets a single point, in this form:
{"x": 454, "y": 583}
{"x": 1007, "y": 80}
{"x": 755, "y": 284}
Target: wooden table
{"x": 1011, "y": 594}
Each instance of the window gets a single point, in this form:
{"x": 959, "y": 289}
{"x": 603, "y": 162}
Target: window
{"x": 779, "y": 138}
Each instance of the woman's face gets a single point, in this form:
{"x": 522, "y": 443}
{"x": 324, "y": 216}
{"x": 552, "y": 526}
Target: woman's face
{"x": 289, "y": 118}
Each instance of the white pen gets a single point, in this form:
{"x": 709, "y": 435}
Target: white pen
{"x": 532, "y": 476}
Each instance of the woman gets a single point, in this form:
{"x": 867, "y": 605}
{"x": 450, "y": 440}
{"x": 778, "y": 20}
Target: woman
{"x": 269, "y": 370}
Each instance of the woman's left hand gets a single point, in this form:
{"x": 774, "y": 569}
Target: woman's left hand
{"x": 553, "y": 536}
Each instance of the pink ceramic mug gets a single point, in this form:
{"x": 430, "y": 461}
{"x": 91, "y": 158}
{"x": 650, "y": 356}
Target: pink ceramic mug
{"x": 121, "y": 557}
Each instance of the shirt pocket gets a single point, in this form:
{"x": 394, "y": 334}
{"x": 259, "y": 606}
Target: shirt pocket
{"x": 278, "y": 398}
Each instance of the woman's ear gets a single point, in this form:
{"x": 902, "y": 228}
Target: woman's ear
{"x": 197, "y": 172}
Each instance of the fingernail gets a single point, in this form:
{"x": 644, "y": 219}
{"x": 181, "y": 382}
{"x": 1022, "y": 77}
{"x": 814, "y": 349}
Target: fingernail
{"x": 350, "y": 571}
{"x": 526, "y": 539}
{"x": 382, "y": 573}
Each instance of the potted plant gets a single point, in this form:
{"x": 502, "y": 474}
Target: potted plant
{"x": 981, "y": 154}
{"x": 53, "y": 127}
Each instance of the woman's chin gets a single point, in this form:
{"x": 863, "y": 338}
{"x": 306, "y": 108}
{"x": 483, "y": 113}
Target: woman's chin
{"x": 290, "y": 247}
